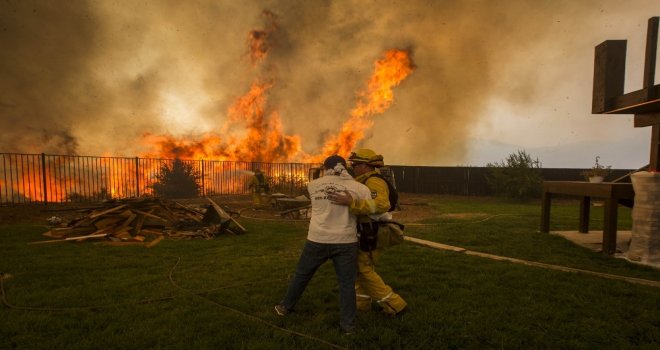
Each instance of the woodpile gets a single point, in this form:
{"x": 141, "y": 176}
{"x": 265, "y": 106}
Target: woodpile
{"x": 146, "y": 221}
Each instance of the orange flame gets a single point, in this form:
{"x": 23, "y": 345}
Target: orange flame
{"x": 388, "y": 73}
{"x": 260, "y": 137}
{"x": 169, "y": 146}
{"x": 253, "y": 131}
{"x": 258, "y": 40}
{"x": 263, "y": 140}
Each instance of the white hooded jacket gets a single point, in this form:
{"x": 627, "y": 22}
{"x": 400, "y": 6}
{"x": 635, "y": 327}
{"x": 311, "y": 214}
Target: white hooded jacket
{"x": 332, "y": 223}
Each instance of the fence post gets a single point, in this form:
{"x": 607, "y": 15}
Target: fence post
{"x": 43, "y": 177}
{"x": 137, "y": 177}
{"x": 203, "y": 188}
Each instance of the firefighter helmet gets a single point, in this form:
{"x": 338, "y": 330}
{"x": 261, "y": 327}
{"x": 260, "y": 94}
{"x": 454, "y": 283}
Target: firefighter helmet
{"x": 366, "y": 156}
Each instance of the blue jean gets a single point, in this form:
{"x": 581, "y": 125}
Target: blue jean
{"x": 344, "y": 258}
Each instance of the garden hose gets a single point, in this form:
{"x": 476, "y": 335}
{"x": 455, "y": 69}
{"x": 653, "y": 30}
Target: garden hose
{"x": 251, "y": 317}
{"x": 6, "y": 276}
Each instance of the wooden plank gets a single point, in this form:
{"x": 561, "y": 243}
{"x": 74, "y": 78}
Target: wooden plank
{"x": 154, "y": 242}
{"x": 151, "y": 232}
{"x": 119, "y": 244}
{"x": 123, "y": 235}
{"x": 108, "y": 221}
{"x": 644, "y": 120}
{"x": 139, "y": 224}
{"x": 196, "y": 218}
{"x": 186, "y": 208}
{"x": 635, "y": 102}
{"x": 76, "y": 238}
{"x": 597, "y": 190}
{"x": 148, "y": 214}
{"x": 223, "y": 214}
{"x": 66, "y": 231}
{"x": 128, "y": 221}
{"x": 104, "y": 212}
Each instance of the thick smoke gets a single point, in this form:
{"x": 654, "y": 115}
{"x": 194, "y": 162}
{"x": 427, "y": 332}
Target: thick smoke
{"x": 92, "y": 77}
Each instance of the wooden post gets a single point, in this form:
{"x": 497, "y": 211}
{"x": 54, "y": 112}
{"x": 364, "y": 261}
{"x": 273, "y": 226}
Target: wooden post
{"x": 649, "y": 59}
{"x": 609, "y": 226}
{"x": 654, "y": 161}
{"x": 609, "y": 74}
{"x": 649, "y": 76}
{"x": 545, "y": 212}
{"x": 585, "y": 205}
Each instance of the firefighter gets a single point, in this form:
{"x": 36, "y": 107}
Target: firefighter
{"x": 332, "y": 235}
{"x": 259, "y": 187}
{"x": 369, "y": 286}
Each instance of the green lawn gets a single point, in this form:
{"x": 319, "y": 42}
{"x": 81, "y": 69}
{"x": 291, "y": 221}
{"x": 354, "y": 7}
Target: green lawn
{"x": 220, "y": 293}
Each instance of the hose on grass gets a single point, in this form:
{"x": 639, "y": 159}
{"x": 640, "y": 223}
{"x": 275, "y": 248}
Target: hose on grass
{"x": 187, "y": 292}
{"x": 106, "y": 306}
{"x": 252, "y": 317}
{"x": 463, "y": 222}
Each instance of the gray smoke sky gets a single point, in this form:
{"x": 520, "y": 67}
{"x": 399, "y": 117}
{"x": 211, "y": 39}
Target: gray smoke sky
{"x": 91, "y": 77}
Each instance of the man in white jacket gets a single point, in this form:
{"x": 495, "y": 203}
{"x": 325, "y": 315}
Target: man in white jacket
{"x": 332, "y": 235}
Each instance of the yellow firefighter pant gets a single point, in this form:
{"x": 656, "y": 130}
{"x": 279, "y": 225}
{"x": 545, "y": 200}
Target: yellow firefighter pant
{"x": 257, "y": 199}
{"x": 369, "y": 287}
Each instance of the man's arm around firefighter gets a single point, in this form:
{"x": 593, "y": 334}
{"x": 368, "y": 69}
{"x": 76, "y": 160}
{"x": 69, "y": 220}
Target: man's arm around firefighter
{"x": 370, "y": 286}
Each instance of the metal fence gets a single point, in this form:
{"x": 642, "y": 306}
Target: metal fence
{"x": 27, "y": 178}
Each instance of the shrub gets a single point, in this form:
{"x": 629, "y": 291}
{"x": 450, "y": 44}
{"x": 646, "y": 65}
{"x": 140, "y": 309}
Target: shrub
{"x": 177, "y": 181}
{"x": 516, "y": 177}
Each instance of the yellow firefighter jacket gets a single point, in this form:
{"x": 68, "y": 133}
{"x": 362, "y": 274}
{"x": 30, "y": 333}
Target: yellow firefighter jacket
{"x": 379, "y": 202}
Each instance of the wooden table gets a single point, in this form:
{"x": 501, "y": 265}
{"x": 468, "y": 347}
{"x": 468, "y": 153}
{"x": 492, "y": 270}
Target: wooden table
{"x": 611, "y": 192}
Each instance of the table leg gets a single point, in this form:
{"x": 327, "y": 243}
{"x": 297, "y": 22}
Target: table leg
{"x": 545, "y": 212}
{"x": 585, "y": 204}
{"x": 609, "y": 226}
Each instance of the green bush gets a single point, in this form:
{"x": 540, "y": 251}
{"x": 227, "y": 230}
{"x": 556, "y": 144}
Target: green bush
{"x": 177, "y": 181}
{"x": 516, "y": 177}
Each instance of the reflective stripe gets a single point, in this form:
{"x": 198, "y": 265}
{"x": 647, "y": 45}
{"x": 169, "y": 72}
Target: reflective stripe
{"x": 385, "y": 298}
{"x": 364, "y": 296}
